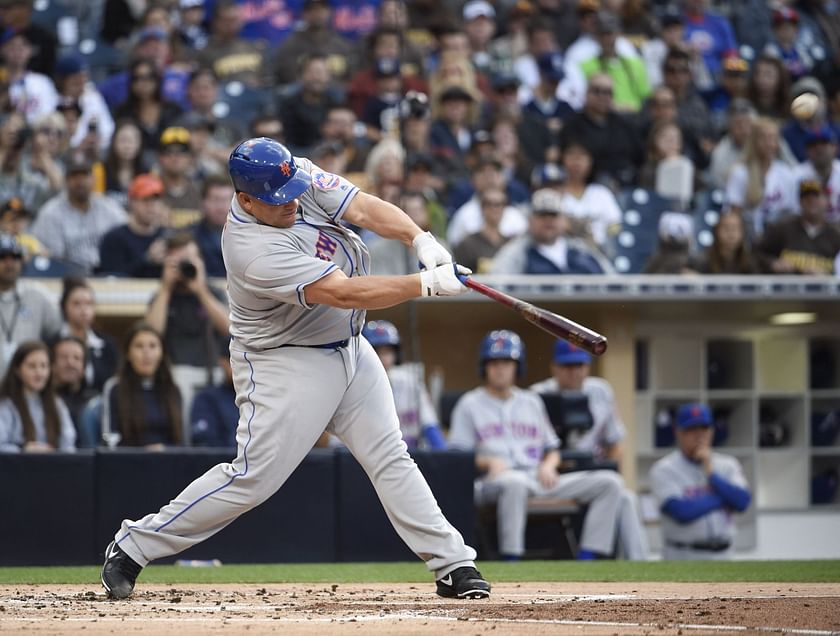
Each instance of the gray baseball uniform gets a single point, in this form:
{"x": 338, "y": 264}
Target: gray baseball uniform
{"x": 518, "y": 431}
{"x": 414, "y": 406}
{"x": 299, "y": 369}
{"x": 675, "y": 476}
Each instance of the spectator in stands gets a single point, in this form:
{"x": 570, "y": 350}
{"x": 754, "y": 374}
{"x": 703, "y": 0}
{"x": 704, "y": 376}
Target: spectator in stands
{"x": 729, "y": 253}
{"x": 68, "y": 374}
{"x": 190, "y": 35}
{"x": 708, "y": 33}
{"x": 78, "y": 308}
{"x": 381, "y": 112}
{"x": 216, "y": 195}
{"x": 730, "y": 149}
{"x": 15, "y": 220}
{"x": 30, "y": 93}
{"x": 769, "y": 88}
{"x": 202, "y": 97}
{"x": 692, "y": 113}
{"x": 673, "y": 248}
{"x": 734, "y": 85}
{"x": 545, "y": 249}
{"x": 476, "y": 251}
{"x": 32, "y": 418}
{"x": 480, "y": 26}
{"x": 796, "y": 130}
{"x": 666, "y": 169}
{"x": 786, "y": 45}
{"x": 591, "y": 208}
{"x": 697, "y": 491}
{"x": 313, "y": 34}
{"x": 760, "y": 187}
{"x": 393, "y": 258}
{"x": 804, "y": 243}
{"x": 231, "y": 56}
{"x": 16, "y": 15}
{"x": 26, "y": 312}
{"x": 823, "y": 166}
{"x": 73, "y": 82}
{"x": 385, "y": 169}
{"x": 45, "y": 150}
{"x": 341, "y": 128}
{"x": 450, "y": 137}
{"x": 125, "y": 160}
{"x": 507, "y": 149}
{"x": 181, "y": 188}
{"x": 304, "y": 105}
{"x": 487, "y": 173}
{"x": 821, "y": 25}
{"x": 136, "y": 248}
{"x": 630, "y": 82}
{"x": 142, "y": 403}
{"x": 517, "y": 454}
{"x": 29, "y": 170}
{"x": 607, "y": 134}
{"x": 214, "y": 415}
{"x": 545, "y": 115}
{"x": 418, "y": 421}
{"x": 189, "y": 314}
{"x": 513, "y": 41}
{"x": 72, "y": 224}
{"x": 145, "y": 103}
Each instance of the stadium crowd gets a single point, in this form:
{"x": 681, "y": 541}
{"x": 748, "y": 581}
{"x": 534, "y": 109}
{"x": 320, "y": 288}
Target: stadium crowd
{"x": 531, "y": 136}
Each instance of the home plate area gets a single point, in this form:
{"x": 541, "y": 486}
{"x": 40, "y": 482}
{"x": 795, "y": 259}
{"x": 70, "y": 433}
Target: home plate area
{"x": 526, "y": 608}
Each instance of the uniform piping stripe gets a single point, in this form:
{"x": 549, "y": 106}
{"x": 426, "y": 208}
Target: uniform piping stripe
{"x": 299, "y": 288}
{"x": 244, "y": 453}
{"x": 233, "y": 214}
{"x": 344, "y": 202}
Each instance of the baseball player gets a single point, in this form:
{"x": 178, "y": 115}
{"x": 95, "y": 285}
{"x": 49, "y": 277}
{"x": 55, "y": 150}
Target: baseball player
{"x": 698, "y": 490}
{"x": 418, "y": 420}
{"x": 570, "y": 372}
{"x": 298, "y": 286}
{"x": 517, "y": 454}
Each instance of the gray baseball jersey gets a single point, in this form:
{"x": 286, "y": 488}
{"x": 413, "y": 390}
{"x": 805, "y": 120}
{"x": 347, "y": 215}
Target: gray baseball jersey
{"x": 289, "y": 390}
{"x": 414, "y": 406}
{"x": 607, "y": 427}
{"x": 675, "y": 476}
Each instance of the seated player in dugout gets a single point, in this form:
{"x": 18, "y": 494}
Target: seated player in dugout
{"x": 517, "y": 455}
{"x": 698, "y": 490}
{"x": 418, "y": 421}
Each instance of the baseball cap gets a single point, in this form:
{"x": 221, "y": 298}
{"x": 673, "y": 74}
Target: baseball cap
{"x": 10, "y": 33}
{"x": 547, "y": 173}
{"x": 671, "y": 17}
{"x": 10, "y": 245}
{"x": 823, "y": 134}
{"x": 565, "y": 353}
{"x": 676, "y": 226}
{"x": 150, "y": 33}
{"x": 521, "y": 9}
{"x": 421, "y": 160}
{"x": 70, "y": 65}
{"x": 607, "y": 22}
{"x": 810, "y": 186}
{"x": 77, "y": 162}
{"x": 785, "y": 14}
{"x": 477, "y": 9}
{"x": 503, "y": 79}
{"x": 456, "y": 92}
{"x": 588, "y": 6}
{"x": 735, "y": 64}
{"x": 145, "y": 186}
{"x": 807, "y": 84}
{"x": 14, "y": 207}
{"x": 551, "y": 65}
{"x": 694, "y": 414}
{"x": 387, "y": 67}
{"x": 175, "y": 136}
{"x": 547, "y": 200}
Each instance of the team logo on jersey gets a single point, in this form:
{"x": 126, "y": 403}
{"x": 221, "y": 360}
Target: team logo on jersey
{"x": 286, "y": 169}
{"x": 325, "y": 180}
{"x": 325, "y": 247}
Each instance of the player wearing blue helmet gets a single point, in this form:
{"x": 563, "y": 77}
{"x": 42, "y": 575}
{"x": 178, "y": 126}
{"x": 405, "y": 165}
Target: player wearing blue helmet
{"x": 298, "y": 284}
{"x": 418, "y": 420}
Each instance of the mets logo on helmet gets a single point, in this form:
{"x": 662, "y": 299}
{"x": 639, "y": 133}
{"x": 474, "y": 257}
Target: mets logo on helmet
{"x": 286, "y": 169}
{"x": 325, "y": 180}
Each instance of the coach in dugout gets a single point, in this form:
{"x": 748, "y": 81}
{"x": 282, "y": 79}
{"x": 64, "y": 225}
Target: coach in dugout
{"x": 698, "y": 491}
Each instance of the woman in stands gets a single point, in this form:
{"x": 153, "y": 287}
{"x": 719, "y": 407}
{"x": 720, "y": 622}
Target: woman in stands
{"x": 591, "y": 207}
{"x": 141, "y": 403}
{"x": 729, "y": 254}
{"x": 145, "y": 105}
{"x": 125, "y": 160}
{"x": 32, "y": 418}
{"x": 769, "y": 88}
{"x": 78, "y": 308}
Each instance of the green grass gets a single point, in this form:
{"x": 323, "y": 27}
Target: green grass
{"x": 659, "y": 571}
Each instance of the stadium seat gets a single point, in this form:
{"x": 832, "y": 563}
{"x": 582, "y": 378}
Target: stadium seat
{"x": 707, "y": 209}
{"x": 102, "y": 58}
{"x": 636, "y": 240}
{"x": 240, "y": 102}
{"x": 44, "y": 267}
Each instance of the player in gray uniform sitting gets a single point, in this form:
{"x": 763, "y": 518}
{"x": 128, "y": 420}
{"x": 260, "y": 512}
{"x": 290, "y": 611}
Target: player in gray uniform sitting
{"x": 698, "y": 490}
{"x": 298, "y": 286}
{"x": 517, "y": 454}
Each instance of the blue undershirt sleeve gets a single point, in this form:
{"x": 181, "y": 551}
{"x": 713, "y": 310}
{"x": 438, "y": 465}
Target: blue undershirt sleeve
{"x": 688, "y": 509}
{"x": 732, "y": 495}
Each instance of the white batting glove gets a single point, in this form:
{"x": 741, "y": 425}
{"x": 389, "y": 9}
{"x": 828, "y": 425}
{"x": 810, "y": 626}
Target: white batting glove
{"x": 443, "y": 281}
{"x": 430, "y": 252}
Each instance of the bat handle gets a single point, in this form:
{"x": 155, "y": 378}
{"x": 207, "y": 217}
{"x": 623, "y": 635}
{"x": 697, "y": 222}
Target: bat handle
{"x": 463, "y": 278}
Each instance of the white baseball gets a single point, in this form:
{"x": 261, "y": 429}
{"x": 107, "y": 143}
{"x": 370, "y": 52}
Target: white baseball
{"x": 805, "y": 106}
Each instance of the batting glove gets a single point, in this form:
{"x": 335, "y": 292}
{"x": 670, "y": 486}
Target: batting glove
{"x": 443, "y": 280}
{"x": 430, "y": 252}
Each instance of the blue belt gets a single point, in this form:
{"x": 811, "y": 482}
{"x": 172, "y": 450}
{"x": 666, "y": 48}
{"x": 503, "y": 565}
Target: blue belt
{"x": 716, "y": 545}
{"x": 338, "y": 344}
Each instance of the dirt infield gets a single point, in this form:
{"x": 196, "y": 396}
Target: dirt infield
{"x": 533, "y": 608}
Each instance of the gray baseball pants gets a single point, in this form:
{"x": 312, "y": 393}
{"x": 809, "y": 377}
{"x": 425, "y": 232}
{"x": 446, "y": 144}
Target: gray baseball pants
{"x": 287, "y": 397}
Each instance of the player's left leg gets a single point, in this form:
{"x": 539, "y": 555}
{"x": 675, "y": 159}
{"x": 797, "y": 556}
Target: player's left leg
{"x": 631, "y": 534}
{"x": 366, "y": 421}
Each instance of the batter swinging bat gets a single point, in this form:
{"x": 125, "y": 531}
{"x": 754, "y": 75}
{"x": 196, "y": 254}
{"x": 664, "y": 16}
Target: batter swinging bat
{"x": 557, "y": 326}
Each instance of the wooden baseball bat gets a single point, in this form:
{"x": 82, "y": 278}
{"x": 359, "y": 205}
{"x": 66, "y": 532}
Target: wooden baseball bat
{"x": 557, "y": 326}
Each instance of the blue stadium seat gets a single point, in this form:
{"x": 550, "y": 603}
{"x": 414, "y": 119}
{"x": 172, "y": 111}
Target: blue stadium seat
{"x": 102, "y": 58}
{"x": 241, "y": 103}
{"x": 44, "y": 267}
{"x": 707, "y": 208}
{"x": 637, "y": 238}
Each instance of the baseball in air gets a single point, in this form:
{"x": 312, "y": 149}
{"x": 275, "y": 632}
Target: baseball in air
{"x": 805, "y": 106}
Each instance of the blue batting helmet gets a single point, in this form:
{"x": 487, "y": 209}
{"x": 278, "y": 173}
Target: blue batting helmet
{"x": 502, "y": 344}
{"x": 381, "y": 333}
{"x": 266, "y": 170}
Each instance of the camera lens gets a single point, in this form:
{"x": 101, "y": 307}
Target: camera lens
{"x": 187, "y": 270}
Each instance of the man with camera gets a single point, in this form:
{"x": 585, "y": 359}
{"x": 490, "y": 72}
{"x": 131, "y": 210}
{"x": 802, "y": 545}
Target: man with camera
{"x": 189, "y": 314}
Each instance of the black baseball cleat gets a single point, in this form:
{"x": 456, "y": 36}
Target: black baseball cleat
{"x": 465, "y": 582}
{"x": 119, "y": 572}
